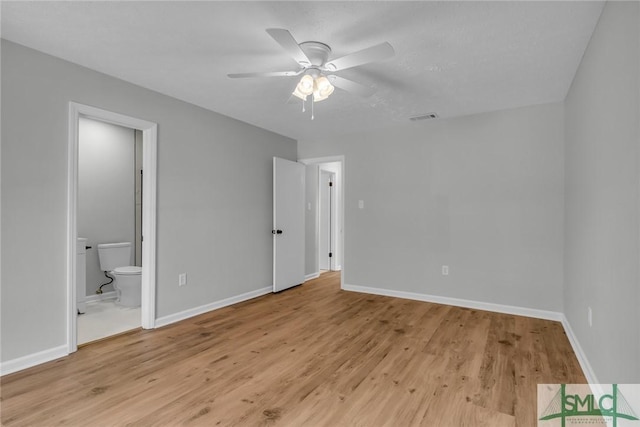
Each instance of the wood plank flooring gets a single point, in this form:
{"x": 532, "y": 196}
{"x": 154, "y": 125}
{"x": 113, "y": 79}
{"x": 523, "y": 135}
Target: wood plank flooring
{"x": 313, "y": 355}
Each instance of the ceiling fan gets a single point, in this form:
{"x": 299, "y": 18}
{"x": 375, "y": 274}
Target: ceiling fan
{"x": 317, "y": 70}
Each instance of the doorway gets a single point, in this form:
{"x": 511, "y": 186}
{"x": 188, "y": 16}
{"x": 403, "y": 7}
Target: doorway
{"x": 315, "y": 236}
{"x": 148, "y": 132}
{"x": 326, "y": 220}
{"x": 109, "y": 211}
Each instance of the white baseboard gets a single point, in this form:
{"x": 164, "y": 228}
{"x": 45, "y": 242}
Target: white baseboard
{"x": 100, "y": 297}
{"x": 24, "y": 362}
{"x": 478, "y": 305}
{"x": 182, "y": 315}
{"x": 311, "y": 276}
{"x": 577, "y": 349}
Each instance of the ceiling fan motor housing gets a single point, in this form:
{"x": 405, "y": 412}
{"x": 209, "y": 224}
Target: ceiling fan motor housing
{"x": 318, "y": 53}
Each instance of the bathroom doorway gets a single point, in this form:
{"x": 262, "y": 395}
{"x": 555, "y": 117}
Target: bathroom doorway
{"x": 109, "y": 210}
{"x": 109, "y": 202}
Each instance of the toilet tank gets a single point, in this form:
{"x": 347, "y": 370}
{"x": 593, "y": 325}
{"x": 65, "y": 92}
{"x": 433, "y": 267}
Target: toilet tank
{"x": 113, "y": 255}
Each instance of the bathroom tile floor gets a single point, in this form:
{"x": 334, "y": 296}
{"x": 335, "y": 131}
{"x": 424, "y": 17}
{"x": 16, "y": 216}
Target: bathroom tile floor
{"x": 106, "y": 318}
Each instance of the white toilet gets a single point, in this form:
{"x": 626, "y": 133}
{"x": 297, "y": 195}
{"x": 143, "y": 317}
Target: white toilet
{"x": 115, "y": 259}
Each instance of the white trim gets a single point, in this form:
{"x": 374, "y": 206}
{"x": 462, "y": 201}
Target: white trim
{"x": 478, "y": 305}
{"x": 72, "y": 228}
{"x": 182, "y": 315}
{"x": 315, "y": 160}
{"x": 149, "y": 160}
{"x": 149, "y": 194}
{"x": 311, "y": 276}
{"x": 100, "y": 297}
{"x": 580, "y": 354}
{"x": 24, "y": 362}
{"x": 274, "y": 268}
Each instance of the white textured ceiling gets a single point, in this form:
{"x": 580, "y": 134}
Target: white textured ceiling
{"x": 452, "y": 58}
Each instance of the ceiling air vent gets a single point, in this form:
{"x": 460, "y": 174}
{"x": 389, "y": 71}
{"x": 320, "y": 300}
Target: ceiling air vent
{"x": 427, "y": 116}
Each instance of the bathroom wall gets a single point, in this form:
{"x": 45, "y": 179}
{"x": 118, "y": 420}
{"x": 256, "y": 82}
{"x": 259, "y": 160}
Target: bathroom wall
{"x": 138, "y": 179}
{"x": 106, "y": 199}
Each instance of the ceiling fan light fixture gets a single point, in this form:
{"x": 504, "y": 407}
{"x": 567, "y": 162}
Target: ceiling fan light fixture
{"x": 299, "y": 94}
{"x": 306, "y": 85}
{"x": 317, "y": 97}
{"x": 323, "y": 87}
{"x": 313, "y": 60}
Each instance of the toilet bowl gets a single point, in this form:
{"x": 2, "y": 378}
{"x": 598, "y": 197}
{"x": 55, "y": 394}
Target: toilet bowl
{"x": 128, "y": 285}
{"x": 127, "y": 280}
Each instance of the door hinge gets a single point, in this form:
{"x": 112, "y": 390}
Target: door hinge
{"x": 330, "y": 184}
{"x": 330, "y": 254}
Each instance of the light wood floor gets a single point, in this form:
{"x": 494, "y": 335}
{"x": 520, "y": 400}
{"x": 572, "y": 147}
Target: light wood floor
{"x": 310, "y": 356}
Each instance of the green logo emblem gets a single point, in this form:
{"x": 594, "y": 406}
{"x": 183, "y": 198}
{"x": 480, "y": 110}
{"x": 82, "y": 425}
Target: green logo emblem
{"x": 582, "y": 406}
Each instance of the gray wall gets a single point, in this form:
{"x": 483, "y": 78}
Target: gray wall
{"x": 310, "y": 220}
{"x": 602, "y": 175}
{"x": 214, "y": 196}
{"x": 482, "y": 194}
{"x": 106, "y": 199}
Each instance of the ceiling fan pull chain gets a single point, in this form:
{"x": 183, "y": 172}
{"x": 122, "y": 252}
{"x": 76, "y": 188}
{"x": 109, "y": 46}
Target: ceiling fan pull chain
{"x": 312, "y": 107}
{"x": 303, "y": 110}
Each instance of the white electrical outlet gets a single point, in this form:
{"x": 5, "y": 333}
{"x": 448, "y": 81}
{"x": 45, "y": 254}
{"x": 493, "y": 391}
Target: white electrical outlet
{"x": 182, "y": 279}
{"x": 445, "y": 270}
{"x": 590, "y": 316}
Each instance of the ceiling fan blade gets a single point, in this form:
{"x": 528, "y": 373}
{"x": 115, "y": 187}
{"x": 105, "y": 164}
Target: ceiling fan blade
{"x": 371, "y": 54}
{"x": 351, "y": 86}
{"x": 286, "y": 40}
{"x": 272, "y": 74}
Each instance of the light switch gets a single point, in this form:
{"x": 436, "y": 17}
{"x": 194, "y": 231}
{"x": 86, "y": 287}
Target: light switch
{"x": 361, "y": 204}
{"x": 309, "y": 206}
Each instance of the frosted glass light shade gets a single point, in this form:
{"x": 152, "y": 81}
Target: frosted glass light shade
{"x": 305, "y": 86}
{"x": 324, "y": 87}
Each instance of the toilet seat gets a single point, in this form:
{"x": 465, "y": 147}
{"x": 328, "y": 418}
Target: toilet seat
{"x": 128, "y": 271}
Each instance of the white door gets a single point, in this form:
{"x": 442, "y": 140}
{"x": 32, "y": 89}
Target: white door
{"x": 288, "y": 224}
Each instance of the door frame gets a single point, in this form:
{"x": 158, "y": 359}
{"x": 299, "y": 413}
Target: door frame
{"x": 149, "y": 165}
{"x": 343, "y": 223}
